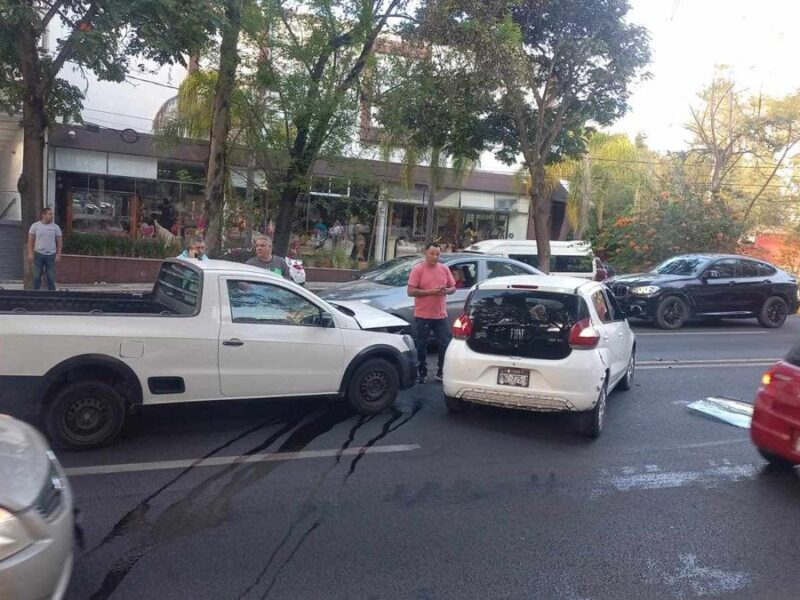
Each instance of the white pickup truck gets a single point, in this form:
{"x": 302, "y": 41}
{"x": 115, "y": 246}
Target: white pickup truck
{"x": 208, "y": 331}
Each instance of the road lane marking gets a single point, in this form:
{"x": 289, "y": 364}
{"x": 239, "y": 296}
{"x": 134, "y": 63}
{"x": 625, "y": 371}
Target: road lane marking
{"x": 697, "y": 361}
{"x": 229, "y": 460}
{"x": 639, "y": 334}
{"x": 704, "y": 366}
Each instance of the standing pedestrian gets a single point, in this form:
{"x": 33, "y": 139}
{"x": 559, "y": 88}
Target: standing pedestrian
{"x": 44, "y": 249}
{"x": 429, "y": 283}
{"x": 196, "y": 249}
{"x": 266, "y": 260}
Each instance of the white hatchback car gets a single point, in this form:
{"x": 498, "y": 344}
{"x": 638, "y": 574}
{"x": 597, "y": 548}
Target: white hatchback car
{"x": 36, "y": 520}
{"x": 542, "y": 344}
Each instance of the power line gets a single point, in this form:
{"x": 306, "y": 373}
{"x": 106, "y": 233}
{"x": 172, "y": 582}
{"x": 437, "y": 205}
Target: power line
{"x": 116, "y": 114}
{"x": 166, "y": 85}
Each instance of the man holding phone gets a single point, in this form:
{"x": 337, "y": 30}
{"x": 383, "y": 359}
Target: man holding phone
{"x": 429, "y": 283}
{"x": 196, "y": 249}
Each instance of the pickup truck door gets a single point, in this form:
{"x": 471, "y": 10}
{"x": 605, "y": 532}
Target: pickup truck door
{"x": 274, "y": 341}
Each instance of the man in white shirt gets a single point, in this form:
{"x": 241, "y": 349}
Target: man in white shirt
{"x": 44, "y": 249}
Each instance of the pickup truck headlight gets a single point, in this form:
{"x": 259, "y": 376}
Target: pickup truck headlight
{"x": 644, "y": 290}
{"x": 13, "y": 536}
{"x": 410, "y": 344}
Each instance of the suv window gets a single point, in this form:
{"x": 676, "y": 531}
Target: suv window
{"x": 496, "y": 268}
{"x": 765, "y": 270}
{"x": 265, "y": 303}
{"x": 727, "y": 268}
{"x": 748, "y": 268}
{"x": 524, "y": 323}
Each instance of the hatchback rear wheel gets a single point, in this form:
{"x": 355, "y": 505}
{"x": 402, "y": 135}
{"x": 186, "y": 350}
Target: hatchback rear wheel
{"x": 591, "y": 422}
{"x": 778, "y": 462}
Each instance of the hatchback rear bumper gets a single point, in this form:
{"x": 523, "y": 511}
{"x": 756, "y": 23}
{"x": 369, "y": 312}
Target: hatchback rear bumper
{"x": 569, "y": 384}
{"x": 775, "y": 432}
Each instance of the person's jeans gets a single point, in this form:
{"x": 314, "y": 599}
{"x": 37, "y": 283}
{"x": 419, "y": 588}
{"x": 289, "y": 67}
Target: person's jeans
{"x": 441, "y": 332}
{"x": 44, "y": 264}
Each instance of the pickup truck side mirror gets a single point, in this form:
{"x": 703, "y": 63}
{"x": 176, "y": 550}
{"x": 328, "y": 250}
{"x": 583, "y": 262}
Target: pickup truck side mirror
{"x": 325, "y": 319}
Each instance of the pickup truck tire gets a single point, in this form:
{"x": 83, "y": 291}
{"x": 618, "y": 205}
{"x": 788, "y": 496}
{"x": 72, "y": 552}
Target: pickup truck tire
{"x": 84, "y": 414}
{"x": 373, "y": 387}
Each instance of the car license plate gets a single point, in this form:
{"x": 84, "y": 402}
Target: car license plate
{"x": 514, "y": 377}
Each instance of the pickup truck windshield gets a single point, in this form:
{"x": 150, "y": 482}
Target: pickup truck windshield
{"x": 178, "y": 287}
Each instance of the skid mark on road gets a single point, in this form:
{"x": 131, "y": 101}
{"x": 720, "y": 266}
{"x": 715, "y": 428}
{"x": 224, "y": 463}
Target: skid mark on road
{"x": 187, "y": 516}
{"x": 138, "y": 512}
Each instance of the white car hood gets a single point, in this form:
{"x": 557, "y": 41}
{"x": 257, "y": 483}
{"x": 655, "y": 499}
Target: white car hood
{"x": 24, "y": 464}
{"x": 367, "y": 316}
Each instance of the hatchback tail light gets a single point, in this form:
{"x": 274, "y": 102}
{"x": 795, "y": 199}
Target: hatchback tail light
{"x": 583, "y": 335}
{"x": 462, "y": 327}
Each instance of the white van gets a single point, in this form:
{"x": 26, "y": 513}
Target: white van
{"x": 572, "y": 259}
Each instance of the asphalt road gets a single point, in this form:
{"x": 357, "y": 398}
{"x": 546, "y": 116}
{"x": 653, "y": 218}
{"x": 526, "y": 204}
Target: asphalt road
{"x": 419, "y": 504}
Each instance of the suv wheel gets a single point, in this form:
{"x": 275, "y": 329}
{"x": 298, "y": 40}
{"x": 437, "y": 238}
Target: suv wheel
{"x": 774, "y": 312}
{"x": 671, "y": 313}
{"x": 591, "y": 422}
{"x": 373, "y": 387}
{"x": 85, "y": 414}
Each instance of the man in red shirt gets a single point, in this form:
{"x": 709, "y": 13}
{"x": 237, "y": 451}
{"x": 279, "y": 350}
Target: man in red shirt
{"x": 429, "y": 283}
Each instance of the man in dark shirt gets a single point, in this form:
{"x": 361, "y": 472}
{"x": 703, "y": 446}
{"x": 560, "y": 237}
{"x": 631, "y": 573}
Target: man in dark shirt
{"x": 266, "y": 260}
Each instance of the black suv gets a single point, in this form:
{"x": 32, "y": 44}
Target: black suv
{"x": 708, "y": 285}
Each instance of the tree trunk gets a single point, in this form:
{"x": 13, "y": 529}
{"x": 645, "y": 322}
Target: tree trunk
{"x": 283, "y": 222}
{"x": 429, "y": 214}
{"x": 31, "y": 181}
{"x": 216, "y": 174}
{"x": 541, "y": 211}
{"x": 34, "y": 123}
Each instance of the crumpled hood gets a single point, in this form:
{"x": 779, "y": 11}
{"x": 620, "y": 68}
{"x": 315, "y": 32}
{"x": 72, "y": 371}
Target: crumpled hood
{"x": 24, "y": 464}
{"x": 368, "y": 317}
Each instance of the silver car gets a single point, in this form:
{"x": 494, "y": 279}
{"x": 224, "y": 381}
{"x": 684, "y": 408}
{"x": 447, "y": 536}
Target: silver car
{"x": 36, "y": 520}
{"x": 386, "y": 288}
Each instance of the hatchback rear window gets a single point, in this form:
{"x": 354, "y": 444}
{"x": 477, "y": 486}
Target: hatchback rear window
{"x": 524, "y": 323}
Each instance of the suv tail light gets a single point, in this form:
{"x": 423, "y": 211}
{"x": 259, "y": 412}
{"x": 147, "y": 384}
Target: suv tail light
{"x": 462, "y": 327}
{"x": 583, "y": 335}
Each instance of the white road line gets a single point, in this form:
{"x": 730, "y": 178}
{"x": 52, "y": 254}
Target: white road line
{"x": 704, "y": 366}
{"x": 699, "y": 361}
{"x": 229, "y": 460}
{"x": 702, "y": 333}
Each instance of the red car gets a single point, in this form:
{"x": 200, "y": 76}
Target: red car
{"x": 776, "y": 418}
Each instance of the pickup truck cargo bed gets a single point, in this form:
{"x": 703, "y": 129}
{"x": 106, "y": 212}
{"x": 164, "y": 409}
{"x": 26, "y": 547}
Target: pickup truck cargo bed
{"x": 13, "y": 301}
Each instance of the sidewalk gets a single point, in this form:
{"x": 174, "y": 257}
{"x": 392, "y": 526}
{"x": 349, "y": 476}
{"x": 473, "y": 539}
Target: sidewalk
{"x": 314, "y": 286}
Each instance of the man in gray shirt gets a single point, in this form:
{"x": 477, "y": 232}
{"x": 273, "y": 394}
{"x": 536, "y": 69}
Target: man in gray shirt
{"x": 266, "y": 260}
{"x": 44, "y": 249}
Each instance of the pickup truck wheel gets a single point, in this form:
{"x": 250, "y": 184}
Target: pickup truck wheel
{"x": 774, "y": 312}
{"x": 373, "y": 387}
{"x": 85, "y": 414}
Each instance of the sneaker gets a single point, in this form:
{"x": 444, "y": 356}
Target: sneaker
{"x": 423, "y": 378}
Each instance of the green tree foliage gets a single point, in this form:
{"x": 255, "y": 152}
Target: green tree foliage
{"x": 554, "y": 66}
{"x": 101, "y": 36}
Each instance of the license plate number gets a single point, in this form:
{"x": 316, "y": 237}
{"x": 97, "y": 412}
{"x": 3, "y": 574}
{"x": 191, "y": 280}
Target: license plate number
{"x": 514, "y": 377}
